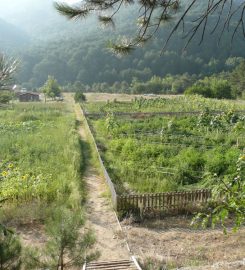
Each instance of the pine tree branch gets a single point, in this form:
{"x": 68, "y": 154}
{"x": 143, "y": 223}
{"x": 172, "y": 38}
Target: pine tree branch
{"x": 150, "y": 21}
{"x": 71, "y": 12}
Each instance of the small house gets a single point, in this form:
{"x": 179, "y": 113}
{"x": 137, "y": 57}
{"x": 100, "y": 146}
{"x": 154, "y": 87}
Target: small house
{"x": 28, "y": 97}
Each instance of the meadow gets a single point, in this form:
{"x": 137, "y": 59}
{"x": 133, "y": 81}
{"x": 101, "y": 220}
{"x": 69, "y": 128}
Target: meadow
{"x": 40, "y": 157}
{"x": 167, "y": 153}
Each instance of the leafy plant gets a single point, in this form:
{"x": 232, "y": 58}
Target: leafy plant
{"x": 228, "y": 200}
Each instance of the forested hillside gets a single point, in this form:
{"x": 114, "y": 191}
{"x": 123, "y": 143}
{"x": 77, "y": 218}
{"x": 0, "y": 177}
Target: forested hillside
{"x": 12, "y": 36}
{"x": 76, "y": 51}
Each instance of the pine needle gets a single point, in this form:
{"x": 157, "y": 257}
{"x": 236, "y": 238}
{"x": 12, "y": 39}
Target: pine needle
{"x": 106, "y": 21}
{"x": 121, "y": 49}
{"x": 71, "y": 12}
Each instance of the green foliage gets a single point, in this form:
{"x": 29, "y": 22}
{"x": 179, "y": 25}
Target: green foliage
{"x": 211, "y": 88}
{"x": 10, "y": 250}
{"x": 41, "y": 164}
{"x": 79, "y": 96}
{"x": 17, "y": 186}
{"x": 67, "y": 247}
{"x": 164, "y": 153}
{"x": 238, "y": 79}
{"x": 199, "y": 89}
{"x": 5, "y": 97}
{"x": 71, "y": 52}
{"x": 51, "y": 88}
{"x": 40, "y": 154}
{"x": 228, "y": 200}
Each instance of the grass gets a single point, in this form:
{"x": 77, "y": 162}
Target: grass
{"x": 41, "y": 144}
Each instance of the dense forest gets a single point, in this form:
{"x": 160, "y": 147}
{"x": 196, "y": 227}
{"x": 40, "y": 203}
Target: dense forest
{"x": 76, "y": 52}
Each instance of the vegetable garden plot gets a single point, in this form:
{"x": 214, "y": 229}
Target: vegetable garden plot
{"x": 162, "y": 154}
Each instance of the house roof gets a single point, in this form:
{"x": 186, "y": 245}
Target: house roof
{"x": 29, "y": 93}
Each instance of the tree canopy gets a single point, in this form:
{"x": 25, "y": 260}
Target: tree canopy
{"x": 51, "y": 88}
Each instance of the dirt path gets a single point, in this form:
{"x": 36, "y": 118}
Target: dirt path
{"x": 100, "y": 215}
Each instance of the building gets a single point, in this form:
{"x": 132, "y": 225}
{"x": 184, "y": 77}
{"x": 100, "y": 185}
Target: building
{"x": 28, "y": 97}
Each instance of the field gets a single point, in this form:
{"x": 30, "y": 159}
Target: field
{"x": 40, "y": 159}
{"x": 166, "y": 153}
{"x": 105, "y": 103}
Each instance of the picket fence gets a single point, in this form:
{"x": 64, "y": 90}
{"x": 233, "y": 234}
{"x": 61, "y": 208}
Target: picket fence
{"x": 166, "y": 202}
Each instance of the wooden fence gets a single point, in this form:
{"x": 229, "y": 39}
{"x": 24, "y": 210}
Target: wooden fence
{"x": 168, "y": 202}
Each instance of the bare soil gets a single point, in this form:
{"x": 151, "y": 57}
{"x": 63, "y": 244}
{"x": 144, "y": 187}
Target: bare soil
{"x": 101, "y": 218}
{"x": 173, "y": 243}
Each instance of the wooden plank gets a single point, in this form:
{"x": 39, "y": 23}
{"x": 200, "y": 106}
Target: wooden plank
{"x": 136, "y": 263}
{"x": 114, "y": 265}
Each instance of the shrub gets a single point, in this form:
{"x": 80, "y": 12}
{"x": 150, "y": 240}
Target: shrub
{"x": 211, "y": 88}
{"x": 79, "y": 96}
{"x": 5, "y": 97}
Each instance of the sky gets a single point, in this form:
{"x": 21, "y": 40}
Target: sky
{"x": 69, "y": 1}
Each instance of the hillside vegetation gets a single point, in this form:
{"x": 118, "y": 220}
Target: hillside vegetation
{"x": 77, "y": 51}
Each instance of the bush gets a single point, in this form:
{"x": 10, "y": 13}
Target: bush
{"x": 199, "y": 89}
{"x": 79, "y": 96}
{"x": 5, "y": 97}
{"x": 211, "y": 88}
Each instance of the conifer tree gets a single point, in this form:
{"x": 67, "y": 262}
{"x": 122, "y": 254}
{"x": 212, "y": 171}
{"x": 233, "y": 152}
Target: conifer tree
{"x": 10, "y": 250}
{"x": 67, "y": 246}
